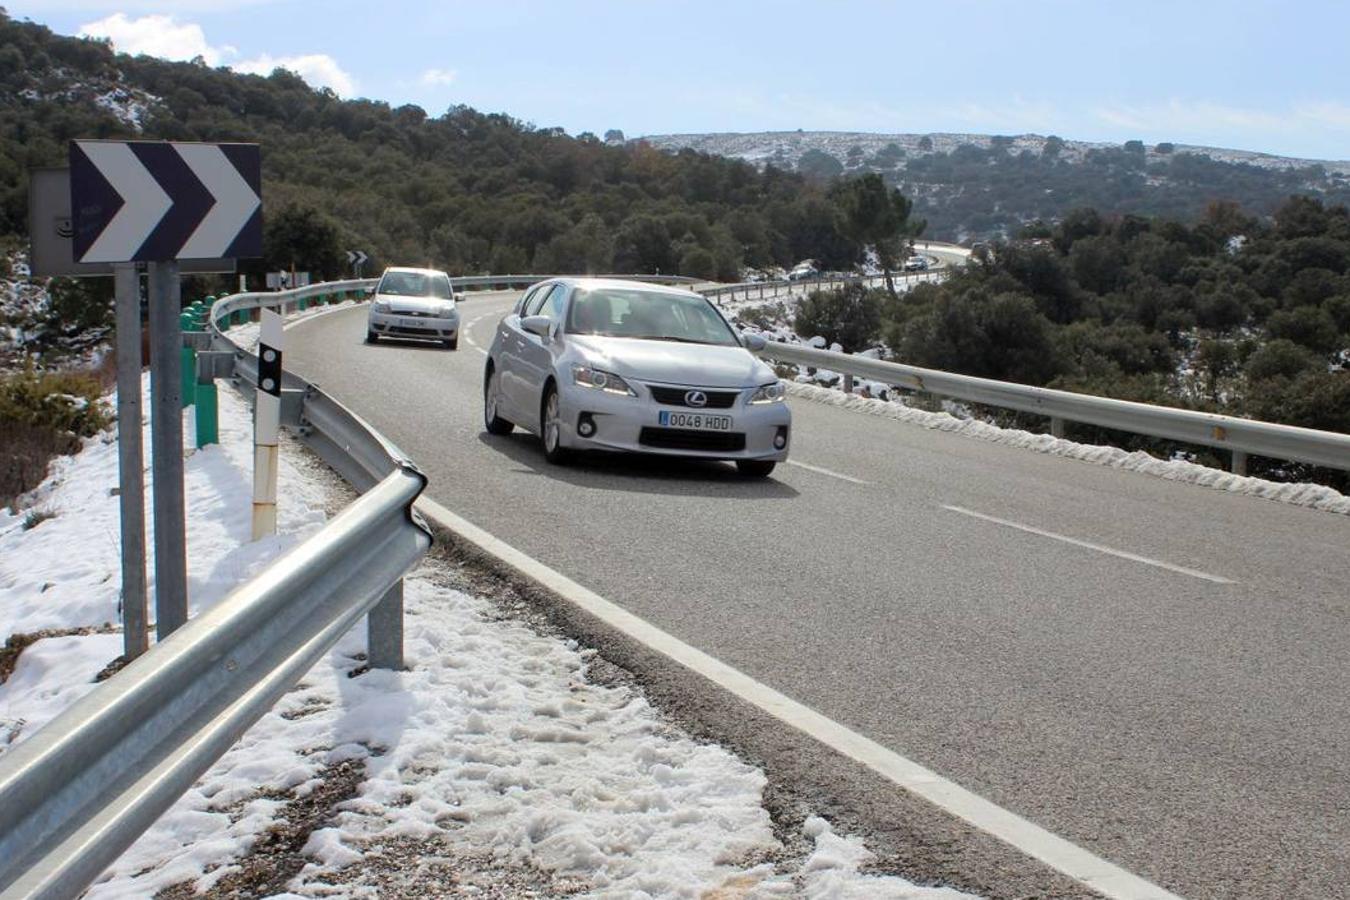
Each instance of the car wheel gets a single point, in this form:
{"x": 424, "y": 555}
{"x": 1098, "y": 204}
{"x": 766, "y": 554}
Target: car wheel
{"x": 371, "y": 336}
{"x": 452, "y": 344}
{"x": 491, "y": 402}
{"x": 550, "y": 427}
{"x": 755, "y": 468}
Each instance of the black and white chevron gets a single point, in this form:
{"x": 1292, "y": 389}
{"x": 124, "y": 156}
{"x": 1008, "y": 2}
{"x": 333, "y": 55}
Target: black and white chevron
{"x": 154, "y": 201}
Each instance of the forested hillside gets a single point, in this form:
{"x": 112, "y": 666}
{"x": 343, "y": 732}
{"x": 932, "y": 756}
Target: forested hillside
{"x": 467, "y": 191}
{"x": 973, "y": 187}
{"x": 1231, "y": 314}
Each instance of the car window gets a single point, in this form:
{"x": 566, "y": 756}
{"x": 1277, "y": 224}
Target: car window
{"x": 537, "y": 301}
{"x": 650, "y": 315}
{"x": 415, "y": 284}
{"x": 554, "y": 307}
{"x": 525, "y": 299}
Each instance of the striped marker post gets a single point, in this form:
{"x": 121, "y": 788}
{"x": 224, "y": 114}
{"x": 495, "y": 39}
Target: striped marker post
{"x": 267, "y": 425}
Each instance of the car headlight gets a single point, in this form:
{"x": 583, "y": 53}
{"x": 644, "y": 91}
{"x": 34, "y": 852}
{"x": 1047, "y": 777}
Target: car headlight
{"x": 447, "y": 310}
{"x": 769, "y": 393}
{"x": 381, "y": 306}
{"x": 601, "y": 380}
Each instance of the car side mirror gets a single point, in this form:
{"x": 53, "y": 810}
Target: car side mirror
{"x": 754, "y": 342}
{"x": 540, "y": 325}
{"x": 370, "y": 290}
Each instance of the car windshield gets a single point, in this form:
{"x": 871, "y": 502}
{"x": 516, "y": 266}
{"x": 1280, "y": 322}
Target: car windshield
{"x": 651, "y": 315}
{"x": 415, "y": 284}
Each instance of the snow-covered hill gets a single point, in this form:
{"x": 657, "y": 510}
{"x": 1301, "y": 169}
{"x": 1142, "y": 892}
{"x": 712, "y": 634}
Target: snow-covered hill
{"x": 785, "y": 148}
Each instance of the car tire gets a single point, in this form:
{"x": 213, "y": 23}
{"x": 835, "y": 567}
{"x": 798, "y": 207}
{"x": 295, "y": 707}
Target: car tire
{"x": 550, "y": 427}
{"x": 371, "y": 336}
{"x": 494, "y": 423}
{"x": 452, "y": 344}
{"x": 755, "y": 468}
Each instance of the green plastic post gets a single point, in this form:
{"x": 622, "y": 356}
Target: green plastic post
{"x": 189, "y": 361}
{"x": 301, "y": 304}
{"x": 208, "y": 415}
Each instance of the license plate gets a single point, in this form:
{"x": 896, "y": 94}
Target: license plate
{"x": 407, "y": 323}
{"x": 694, "y": 421}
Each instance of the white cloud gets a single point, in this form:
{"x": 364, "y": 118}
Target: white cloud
{"x": 163, "y": 36}
{"x": 318, "y": 69}
{"x": 155, "y": 35}
{"x": 433, "y": 77}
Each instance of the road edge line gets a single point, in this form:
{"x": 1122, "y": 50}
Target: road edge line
{"x": 1106, "y": 878}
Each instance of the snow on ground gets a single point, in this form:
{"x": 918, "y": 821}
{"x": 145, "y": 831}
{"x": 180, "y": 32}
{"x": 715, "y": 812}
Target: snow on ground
{"x": 23, "y": 305}
{"x": 494, "y": 746}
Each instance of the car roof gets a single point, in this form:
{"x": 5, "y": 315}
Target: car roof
{"x": 579, "y": 281}
{"x": 414, "y": 270}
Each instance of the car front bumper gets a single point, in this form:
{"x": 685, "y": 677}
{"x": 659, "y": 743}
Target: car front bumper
{"x": 393, "y": 324}
{"x": 632, "y": 424}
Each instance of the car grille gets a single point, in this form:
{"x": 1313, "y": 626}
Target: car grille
{"x": 417, "y": 313}
{"x": 419, "y": 332}
{"x": 683, "y": 439}
{"x": 671, "y": 396}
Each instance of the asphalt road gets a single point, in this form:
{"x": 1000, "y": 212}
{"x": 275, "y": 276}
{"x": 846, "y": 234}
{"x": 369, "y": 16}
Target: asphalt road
{"x": 1166, "y": 688}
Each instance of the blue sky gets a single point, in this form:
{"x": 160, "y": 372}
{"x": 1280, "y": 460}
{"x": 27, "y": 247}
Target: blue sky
{"x": 1253, "y": 75}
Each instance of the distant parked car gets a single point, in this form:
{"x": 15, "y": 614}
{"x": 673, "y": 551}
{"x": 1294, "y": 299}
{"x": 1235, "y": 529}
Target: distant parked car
{"x": 605, "y": 364}
{"x": 803, "y": 270}
{"x": 414, "y": 303}
{"x": 916, "y": 264}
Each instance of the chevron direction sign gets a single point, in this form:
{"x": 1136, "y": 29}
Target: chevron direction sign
{"x": 154, "y": 201}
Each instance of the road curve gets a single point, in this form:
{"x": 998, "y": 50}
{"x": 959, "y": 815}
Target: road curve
{"x": 1154, "y": 671}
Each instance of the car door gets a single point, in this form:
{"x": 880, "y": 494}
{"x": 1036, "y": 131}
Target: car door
{"x": 536, "y": 355}
{"x": 512, "y": 343}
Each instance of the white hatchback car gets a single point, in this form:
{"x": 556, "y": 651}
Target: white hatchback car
{"x": 605, "y": 364}
{"x": 414, "y": 303}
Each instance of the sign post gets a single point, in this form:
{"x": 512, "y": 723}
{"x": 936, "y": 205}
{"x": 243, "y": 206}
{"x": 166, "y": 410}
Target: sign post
{"x": 162, "y": 204}
{"x": 131, "y": 460}
{"x": 166, "y": 448}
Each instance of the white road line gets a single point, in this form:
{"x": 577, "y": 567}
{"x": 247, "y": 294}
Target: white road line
{"x": 1134, "y": 557}
{"x": 1104, "y": 877}
{"x": 308, "y": 316}
{"x": 823, "y": 471}
{"x": 468, "y": 333}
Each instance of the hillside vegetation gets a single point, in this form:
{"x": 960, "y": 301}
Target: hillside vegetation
{"x": 466, "y": 191}
{"x": 1231, "y": 314}
{"x": 975, "y": 187}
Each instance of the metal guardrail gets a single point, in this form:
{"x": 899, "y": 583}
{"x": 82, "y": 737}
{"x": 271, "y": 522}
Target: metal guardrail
{"x": 768, "y": 290}
{"x": 1242, "y": 436}
{"x": 77, "y": 793}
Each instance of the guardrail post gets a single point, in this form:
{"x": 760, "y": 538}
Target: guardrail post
{"x": 1239, "y": 466}
{"x": 187, "y": 360}
{"x": 384, "y": 630}
{"x": 1056, "y": 427}
{"x": 848, "y": 383}
{"x": 207, "y": 414}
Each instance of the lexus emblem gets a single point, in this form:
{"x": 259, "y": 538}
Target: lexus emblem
{"x": 695, "y": 398}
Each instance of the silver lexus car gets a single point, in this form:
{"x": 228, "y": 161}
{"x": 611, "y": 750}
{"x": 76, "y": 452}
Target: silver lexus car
{"x": 413, "y": 303}
{"x": 606, "y": 364}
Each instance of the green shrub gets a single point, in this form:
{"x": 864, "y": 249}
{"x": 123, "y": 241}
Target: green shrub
{"x": 60, "y": 401}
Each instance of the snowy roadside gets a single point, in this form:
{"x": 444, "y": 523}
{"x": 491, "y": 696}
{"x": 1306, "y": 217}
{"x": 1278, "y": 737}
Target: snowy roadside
{"x": 880, "y": 399}
{"x": 495, "y": 766}
{"x": 958, "y": 421}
